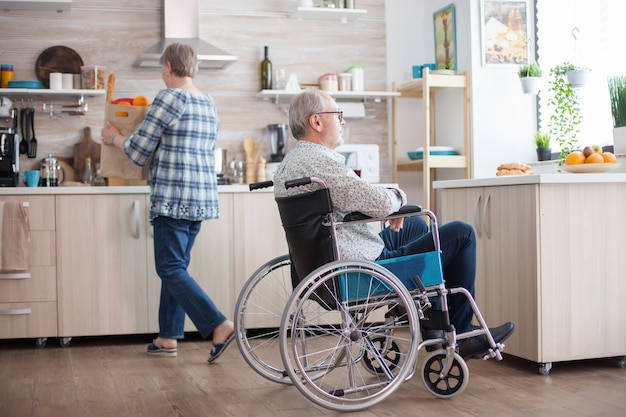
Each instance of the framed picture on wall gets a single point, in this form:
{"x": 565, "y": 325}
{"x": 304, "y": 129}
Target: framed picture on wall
{"x": 504, "y": 30}
{"x": 445, "y": 38}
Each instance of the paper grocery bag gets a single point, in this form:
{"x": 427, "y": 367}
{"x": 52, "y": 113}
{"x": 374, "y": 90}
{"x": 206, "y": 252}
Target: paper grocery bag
{"x": 113, "y": 161}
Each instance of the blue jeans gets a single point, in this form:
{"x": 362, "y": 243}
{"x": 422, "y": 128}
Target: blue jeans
{"x": 180, "y": 293}
{"x": 458, "y": 258}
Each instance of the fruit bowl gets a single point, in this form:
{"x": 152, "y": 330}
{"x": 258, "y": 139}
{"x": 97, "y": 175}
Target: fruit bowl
{"x": 589, "y": 168}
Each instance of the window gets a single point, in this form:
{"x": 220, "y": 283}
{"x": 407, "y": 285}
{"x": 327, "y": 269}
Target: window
{"x": 598, "y": 46}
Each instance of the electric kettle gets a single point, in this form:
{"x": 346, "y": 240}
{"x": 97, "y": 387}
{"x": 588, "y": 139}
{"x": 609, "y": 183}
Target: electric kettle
{"x": 50, "y": 172}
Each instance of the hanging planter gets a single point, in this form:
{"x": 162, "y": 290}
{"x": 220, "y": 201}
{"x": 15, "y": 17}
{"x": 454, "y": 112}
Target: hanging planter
{"x": 530, "y": 78}
{"x": 530, "y": 85}
{"x": 578, "y": 78}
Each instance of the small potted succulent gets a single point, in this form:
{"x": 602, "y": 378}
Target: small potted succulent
{"x": 542, "y": 140}
{"x": 530, "y": 78}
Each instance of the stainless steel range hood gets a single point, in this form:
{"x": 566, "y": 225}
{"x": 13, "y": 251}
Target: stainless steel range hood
{"x": 182, "y": 25}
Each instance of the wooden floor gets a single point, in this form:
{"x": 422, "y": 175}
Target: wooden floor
{"x": 114, "y": 377}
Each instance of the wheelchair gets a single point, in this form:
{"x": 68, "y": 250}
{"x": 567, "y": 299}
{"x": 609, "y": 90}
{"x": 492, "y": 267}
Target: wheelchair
{"x": 347, "y": 332}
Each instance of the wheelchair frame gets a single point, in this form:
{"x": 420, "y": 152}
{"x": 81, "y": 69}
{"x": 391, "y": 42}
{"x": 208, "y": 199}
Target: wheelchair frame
{"x": 322, "y": 344}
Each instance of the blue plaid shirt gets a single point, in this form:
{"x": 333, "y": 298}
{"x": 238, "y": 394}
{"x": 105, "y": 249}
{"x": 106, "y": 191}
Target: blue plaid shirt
{"x": 179, "y": 132}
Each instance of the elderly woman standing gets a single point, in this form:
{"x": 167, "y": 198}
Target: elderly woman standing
{"x": 179, "y": 132}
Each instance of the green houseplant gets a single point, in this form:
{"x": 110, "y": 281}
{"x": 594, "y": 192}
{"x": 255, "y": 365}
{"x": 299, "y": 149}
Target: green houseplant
{"x": 542, "y": 140}
{"x": 617, "y": 93}
{"x": 565, "y": 114}
{"x": 530, "y": 78}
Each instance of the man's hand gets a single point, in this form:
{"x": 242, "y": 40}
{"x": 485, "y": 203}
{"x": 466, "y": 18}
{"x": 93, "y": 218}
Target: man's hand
{"x": 396, "y": 224}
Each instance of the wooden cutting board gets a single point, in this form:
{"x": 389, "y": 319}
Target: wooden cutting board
{"x": 57, "y": 59}
{"x": 87, "y": 148}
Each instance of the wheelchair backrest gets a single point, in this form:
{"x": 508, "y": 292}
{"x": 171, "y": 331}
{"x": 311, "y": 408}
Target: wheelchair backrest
{"x": 305, "y": 219}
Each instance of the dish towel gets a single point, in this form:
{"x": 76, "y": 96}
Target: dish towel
{"x": 13, "y": 236}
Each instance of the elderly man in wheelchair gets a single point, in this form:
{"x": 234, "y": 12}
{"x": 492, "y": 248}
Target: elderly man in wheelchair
{"x": 362, "y": 296}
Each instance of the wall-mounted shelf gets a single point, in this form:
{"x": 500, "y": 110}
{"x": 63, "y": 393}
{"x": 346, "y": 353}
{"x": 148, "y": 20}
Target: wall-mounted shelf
{"x": 42, "y": 93}
{"x": 377, "y": 96}
{"x": 327, "y": 13}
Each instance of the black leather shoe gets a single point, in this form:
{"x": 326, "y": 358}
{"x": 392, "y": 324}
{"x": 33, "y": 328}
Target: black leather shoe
{"x": 478, "y": 346}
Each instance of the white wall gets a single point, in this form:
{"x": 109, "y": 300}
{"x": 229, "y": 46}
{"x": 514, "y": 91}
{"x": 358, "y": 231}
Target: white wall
{"x": 503, "y": 119}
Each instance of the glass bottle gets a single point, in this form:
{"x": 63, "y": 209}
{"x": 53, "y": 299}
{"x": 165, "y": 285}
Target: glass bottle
{"x": 99, "y": 180}
{"x": 266, "y": 71}
{"x": 88, "y": 174}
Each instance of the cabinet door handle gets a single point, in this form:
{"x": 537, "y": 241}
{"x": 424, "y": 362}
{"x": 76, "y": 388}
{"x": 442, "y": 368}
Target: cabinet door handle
{"x": 15, "y": 311}
{"x": 485, "y": 216}
{"x": 477, "y": 217}
{"x": 15, "y": 275}
{"x": 137, "y": 207}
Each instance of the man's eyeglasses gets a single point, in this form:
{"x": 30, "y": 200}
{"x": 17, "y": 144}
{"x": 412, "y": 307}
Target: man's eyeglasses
{"x": 338, "y": 113}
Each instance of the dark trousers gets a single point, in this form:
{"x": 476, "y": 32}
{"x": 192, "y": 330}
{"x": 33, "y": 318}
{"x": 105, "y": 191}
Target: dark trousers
{"x": 458, "y": 258}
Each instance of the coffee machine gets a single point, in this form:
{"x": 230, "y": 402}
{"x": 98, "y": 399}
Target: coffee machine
{"x": 277, "y": 136}
{"x": 9, "y": 149}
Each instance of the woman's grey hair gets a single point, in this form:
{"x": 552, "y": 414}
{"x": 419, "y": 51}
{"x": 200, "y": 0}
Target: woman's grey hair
{"x": 307, "y": 103}
{"x": 183, "y": 59}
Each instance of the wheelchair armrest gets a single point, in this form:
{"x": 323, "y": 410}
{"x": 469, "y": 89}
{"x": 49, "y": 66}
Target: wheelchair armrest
{"x": 403, "y": 212}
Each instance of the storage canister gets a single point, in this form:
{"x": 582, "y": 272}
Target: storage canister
{"x": 329, "y": 82}
{"x": 358, "y": 77}
{"x": 6, "y": 71}
{"x": 93, "y": 77}
{"x": 345, "y": 81}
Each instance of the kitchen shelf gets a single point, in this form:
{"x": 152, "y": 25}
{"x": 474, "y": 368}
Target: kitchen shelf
{"x": 43, "y": 93}
{"x": 377, "y": 96}
{"x": 328, "y": 13}
{"x": 424, "y": 88}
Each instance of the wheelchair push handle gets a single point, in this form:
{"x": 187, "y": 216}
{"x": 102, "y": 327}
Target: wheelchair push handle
{"x": 260, "y": 185}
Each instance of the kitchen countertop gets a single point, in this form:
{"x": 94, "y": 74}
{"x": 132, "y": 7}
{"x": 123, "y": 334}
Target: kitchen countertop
{"x": 126, "y": 189}
{"x": 563, "y": 178}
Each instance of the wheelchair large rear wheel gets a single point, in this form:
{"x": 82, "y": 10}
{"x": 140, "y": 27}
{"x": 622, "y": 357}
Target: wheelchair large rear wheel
{"x": 349, "y": 335}
{"x": 258, "y": 314}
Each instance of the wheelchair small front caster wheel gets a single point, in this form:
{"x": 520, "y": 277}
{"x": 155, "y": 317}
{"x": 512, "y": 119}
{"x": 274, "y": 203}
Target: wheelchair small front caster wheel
{"x": 449, "y": 385}
{"x": 544, "y": 368}
{"x": 65, "y": 342}
{"x": 621, "y": 362}
{"x": 390, "y": 354}
{"x": 41, "y": 342}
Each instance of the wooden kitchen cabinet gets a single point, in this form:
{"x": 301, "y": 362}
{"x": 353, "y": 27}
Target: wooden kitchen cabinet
{"x": 102, "y": 261}
{"x": 212, "y": 265}
{"x": 28, "y": 301}
{"x": 258, "y": 234}
{"x": 548, "y": 260}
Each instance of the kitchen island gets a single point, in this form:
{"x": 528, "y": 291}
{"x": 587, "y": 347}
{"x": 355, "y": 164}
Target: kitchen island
{"x": 549, "y": 259}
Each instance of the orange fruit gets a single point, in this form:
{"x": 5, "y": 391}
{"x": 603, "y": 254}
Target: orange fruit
{"x": 574, "y": 158}
{"x": 140, "y": 101}
{"x": 123, "y": 103}
{"x": 609, "y": 157}
{"x": 594, "y": 158}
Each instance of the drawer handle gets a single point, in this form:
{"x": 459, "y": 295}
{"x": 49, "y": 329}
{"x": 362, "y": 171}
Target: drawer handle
{"x": 137, "y": 207}
{"x": 477, "y": 217}
{"x": 15, "y": 312}
{"x": 486, "y": 217}
{"x": 15, "y": 275}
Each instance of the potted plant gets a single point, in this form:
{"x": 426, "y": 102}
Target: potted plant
{"x": 530, "y": 78}
{"x": 617, "y": 93}
{"x": 577, "y": 76}
{"x": 542, "y": 140}
{"x": 565, "y": 116}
